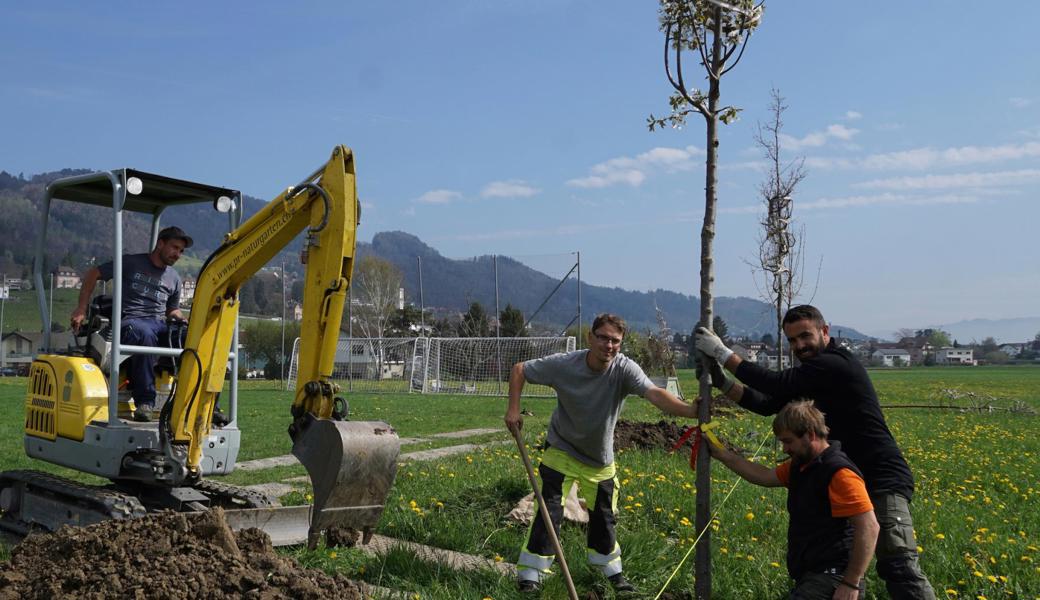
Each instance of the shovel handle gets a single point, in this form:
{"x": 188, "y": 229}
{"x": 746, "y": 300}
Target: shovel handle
{"x": 544, "y": 511}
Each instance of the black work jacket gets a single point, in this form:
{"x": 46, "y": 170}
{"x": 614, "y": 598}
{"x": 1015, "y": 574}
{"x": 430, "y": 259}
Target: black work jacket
{"x": 843, "y": 392}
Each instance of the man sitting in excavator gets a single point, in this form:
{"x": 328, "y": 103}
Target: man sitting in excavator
{"x": 150, "y": 305}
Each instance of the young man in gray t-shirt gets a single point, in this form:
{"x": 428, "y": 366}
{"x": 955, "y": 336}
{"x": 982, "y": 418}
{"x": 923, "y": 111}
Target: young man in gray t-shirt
{"x": 591, "y": 386}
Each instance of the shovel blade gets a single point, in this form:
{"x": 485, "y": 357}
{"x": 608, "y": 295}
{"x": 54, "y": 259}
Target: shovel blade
{"x": 352, "y": 465}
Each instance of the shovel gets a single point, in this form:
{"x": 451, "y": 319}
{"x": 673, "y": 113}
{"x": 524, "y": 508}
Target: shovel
{"x": 544, "y": 510}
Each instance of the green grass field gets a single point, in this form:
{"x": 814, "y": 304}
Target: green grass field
{"x": 975, "y": 510}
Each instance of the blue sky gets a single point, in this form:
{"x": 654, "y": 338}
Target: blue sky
{"x": 519, "y": 128}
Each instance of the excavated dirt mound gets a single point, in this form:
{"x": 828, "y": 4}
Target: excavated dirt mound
{"x": 663, "y": 434}
{"x": 167, "y": 555}
{"x": 647, "y": 436}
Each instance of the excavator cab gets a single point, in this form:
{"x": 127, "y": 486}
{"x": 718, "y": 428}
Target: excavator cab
{"x": 73, "y": 397}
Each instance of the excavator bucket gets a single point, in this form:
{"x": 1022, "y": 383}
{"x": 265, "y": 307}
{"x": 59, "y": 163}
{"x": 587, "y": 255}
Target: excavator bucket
{"x": 352, "y": 465}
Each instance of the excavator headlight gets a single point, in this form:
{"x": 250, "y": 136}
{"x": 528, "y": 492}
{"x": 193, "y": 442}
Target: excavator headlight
{"x": 224, "y": 204}
{"x": 134, "y": 186}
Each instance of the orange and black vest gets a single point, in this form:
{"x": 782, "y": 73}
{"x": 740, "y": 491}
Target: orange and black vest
{"x": 816, "y": 541}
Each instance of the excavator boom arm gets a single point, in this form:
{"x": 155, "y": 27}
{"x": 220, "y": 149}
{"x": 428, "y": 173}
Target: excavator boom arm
{"x": 327, "y": 207}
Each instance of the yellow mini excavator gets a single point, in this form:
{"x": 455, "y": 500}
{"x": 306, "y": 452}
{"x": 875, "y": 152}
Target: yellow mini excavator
{"x": 72, "y": 415}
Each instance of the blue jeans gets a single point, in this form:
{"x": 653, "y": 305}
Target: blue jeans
{"x": 143, "y": 332}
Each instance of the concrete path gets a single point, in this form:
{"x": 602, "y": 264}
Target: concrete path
{"x": 289, "y": 459}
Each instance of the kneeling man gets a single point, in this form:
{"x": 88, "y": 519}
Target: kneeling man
{"x": 833, "y": 531}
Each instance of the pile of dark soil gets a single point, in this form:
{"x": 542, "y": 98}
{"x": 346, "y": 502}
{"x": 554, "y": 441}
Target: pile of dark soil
{"x": 664, "y": 434}
{"x": 167, "y": 555}
{"x": 647, "y": 436}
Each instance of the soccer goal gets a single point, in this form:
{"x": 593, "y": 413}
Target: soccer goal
{"x": 472, "y": 366}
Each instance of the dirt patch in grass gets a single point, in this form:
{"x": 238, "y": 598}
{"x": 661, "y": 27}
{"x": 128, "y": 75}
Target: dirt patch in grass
{"x": 663, "y": 434}
{"x": 166, "y": 555}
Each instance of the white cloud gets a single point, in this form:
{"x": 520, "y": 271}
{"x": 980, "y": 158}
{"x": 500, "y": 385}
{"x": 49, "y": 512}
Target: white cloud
{"x": 816, "y": 139}
{"x": 958, "y": 180}
{"x": 853, "y": 115}
{"x": 513, "y": 188}
{"x": 923, "y": 158}
{"x": 633, "y": 171}
{"x": 885, "y": 199}
{"x": 438, "y": 197}
{"x": 1019, "y": 102}
{"x": 841, "y": 132}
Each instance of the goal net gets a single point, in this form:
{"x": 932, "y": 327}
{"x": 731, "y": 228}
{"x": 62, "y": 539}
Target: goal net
{"x": 472, "y": 366}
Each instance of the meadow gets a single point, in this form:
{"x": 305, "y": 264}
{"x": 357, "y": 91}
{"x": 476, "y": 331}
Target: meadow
{"x": 975, "y": 508}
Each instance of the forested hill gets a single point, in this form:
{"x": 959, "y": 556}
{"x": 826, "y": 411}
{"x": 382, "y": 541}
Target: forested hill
{"x": 453, "y": 284}
{"x": 79, "y": 233}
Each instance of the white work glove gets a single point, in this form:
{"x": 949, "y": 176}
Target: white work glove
{"x": 716, "y": 373}
{"x": 707, "y": 342}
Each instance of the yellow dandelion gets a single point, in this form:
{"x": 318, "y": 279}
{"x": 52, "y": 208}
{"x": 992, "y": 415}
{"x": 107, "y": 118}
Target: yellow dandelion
{"x": 951, "y": 593}
{"x": 750, "y": 516}
{"x": 940, "y": 536}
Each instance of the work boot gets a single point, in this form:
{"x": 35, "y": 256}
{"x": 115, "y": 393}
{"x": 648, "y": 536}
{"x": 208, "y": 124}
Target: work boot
{"x": 621, "y": 585}
{"x": 143, "y": 413}
{"x": 526, "y": 586}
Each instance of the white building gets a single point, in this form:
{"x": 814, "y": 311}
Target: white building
{"x": 955, "y": 356}
{"x": 768, "y": 360}
{"x": 892, "y": 357}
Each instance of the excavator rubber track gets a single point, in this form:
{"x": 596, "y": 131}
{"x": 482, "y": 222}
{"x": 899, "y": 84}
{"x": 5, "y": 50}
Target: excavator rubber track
{"x": 32, "y": 500}
{"x": 233, "y": 496}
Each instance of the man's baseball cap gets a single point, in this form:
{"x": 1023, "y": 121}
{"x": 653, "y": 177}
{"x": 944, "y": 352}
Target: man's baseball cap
{"x": 173, "y": 232}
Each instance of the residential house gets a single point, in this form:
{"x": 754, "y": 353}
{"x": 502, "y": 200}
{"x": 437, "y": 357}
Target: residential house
{"x": 66, "y": 277}
{"x": 919, "y": 347}
{"x": 1013, "y": 350}
{"x": 891, "y": 357}
{"x": 767, "y": 359}
{"x": 16, "y": 349}
{"x": 955, "y": 356}
{"x": 187, "y": 290}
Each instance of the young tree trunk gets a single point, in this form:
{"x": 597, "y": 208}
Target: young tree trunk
{"x": 702, "y": 560}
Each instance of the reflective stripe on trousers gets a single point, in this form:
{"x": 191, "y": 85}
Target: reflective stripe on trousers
{"x": 533, "y": 567}
{"x": 610, "y": 564}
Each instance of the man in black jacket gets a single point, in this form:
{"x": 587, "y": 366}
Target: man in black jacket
{"x": 843, "y": 392}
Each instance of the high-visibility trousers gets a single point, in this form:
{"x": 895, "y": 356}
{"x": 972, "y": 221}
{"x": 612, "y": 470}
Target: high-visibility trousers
{"x": 558, "y": 471}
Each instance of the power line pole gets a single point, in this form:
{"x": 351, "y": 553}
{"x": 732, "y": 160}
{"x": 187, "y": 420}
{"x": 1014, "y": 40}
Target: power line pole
{"x": 281, "y": 357}
{"x": 50, "y": 309}
{"x": 422, "y": 303}
{"x": 3, "y": 305}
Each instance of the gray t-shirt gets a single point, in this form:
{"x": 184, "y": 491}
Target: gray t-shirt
{"x": 149, "y": 292}
{"x": 588, "y": 402}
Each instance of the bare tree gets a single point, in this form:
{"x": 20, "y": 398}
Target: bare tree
{"x": 661, "y": 356}
{"x": 378, "y": 283}
{"x": 780, "y": 250}
{"x": 715, "y": 33}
